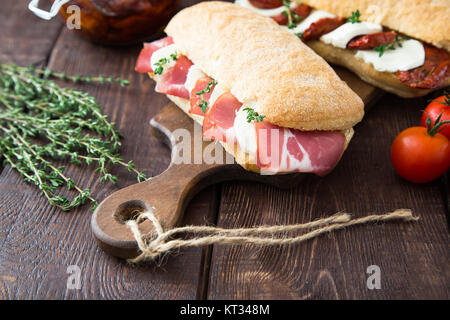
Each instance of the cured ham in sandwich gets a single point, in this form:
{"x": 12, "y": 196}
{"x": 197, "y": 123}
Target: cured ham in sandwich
{"x": 401, "y": 46}
{"x": 270, "y": 100}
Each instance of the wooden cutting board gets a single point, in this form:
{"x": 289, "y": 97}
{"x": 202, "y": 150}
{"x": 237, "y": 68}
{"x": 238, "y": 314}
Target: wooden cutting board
{"x": 170, "y": 192}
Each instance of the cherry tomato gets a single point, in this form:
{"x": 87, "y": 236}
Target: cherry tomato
{"x": 420, "y": 156}
{"x": 434, "y": 109}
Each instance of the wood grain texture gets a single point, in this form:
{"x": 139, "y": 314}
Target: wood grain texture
{"x": 38, "y": 243}
{"x": 413, "y": 257}
{"x": 25, "y": 39}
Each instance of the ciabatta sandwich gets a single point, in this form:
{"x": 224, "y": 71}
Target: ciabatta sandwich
{"x": 273, "y": 103}
{"x": 401, "y": 46}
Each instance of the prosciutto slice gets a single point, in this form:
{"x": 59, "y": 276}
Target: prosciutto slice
{"x": 196, "y": 99}
{"x": 143, "y": 63}
{"x": 289, "y": 150}
{"x": 172, "y": 80}
{"x": 219, "y": 120}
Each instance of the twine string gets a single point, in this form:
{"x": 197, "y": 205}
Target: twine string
{"x": 160, "y": 242}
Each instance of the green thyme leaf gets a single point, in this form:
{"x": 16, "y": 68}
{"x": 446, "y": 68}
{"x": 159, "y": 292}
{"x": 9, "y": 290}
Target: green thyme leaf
{"x": 293, "y": 18}
{"x": 203, "y": 103}
{"x": 397, "y": 43}
{"x": 355, "y": 17}
{"x": 253, "y": 116}
{"x": 163, "y": 61}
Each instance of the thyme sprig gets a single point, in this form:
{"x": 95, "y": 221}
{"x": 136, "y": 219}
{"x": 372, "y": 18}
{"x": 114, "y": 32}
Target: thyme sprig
{"x": 293, "y": 18}
{"x": 41, "y": 122}
{"x": 355, "y": 17}
{"x": 47, "y": 73}
{"x": 163, "y": 61}
{"x": 203, "y": 103}
{"x": 397, "y": 43}
{"x": 253, "y": 116}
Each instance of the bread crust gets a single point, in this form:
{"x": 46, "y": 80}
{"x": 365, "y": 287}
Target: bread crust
{"x": 257, "y": 61}
{"x": 244, "y": 159}
{"x": 427, "y": 20}
{"x": 385, "y": 80}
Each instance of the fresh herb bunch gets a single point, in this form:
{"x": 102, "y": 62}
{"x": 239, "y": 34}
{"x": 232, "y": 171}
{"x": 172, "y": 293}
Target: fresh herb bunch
{"x": 355, "y": 17}
{"x": 252, "y": 115}
{"x": 40, "y": 121}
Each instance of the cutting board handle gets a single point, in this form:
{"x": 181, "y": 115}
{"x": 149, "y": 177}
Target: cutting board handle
{"x": 166, "y": 194}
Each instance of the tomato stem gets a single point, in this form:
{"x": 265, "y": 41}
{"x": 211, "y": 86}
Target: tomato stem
{"x": 438, "y": 125}
{"x": 446, "y": 98}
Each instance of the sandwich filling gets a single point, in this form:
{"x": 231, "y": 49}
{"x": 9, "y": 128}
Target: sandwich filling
{"x": 274, "y": 149}
{"x": 416, "y": 64}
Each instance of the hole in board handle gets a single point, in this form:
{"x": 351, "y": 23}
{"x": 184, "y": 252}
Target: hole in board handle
{"x": 130, "y": 210}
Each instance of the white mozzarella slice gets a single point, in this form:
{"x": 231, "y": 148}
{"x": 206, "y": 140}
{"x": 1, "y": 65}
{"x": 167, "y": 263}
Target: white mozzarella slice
{"x": 245, "y": 131}
{"x": 309, "y": 20}
{"x": 164, "y": 53}
{"x": 342, "y": 35}
{"x": 194, "y": 74}
{"x": 409, "y": 56}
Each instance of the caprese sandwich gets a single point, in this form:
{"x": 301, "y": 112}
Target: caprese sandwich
{"x": 273, "y": 103}
{"x": 400, "y": 46}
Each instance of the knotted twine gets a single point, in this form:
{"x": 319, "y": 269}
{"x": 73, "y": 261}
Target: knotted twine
{"x": 161, "y": 242}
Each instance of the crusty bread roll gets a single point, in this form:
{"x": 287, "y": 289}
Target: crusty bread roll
{"x": 385, "y": 80}
{"x": 246, "y": 160}
{"x": 426, "y": 20}
{"x": 292, "y": 86}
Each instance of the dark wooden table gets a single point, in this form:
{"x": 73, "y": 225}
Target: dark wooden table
{"x": 38, "y": 242}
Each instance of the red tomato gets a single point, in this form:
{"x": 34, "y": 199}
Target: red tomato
{"x": 434, "y": 109}
{"x": 420, "y": 157}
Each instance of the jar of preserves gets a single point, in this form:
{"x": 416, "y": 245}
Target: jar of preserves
{"x": 113, "y": 22}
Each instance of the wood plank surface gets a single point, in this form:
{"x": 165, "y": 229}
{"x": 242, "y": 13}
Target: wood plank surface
{"x": 38, "y": 243}
{"x": 25, "y": 39}
{"x": 413, "y": 257}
